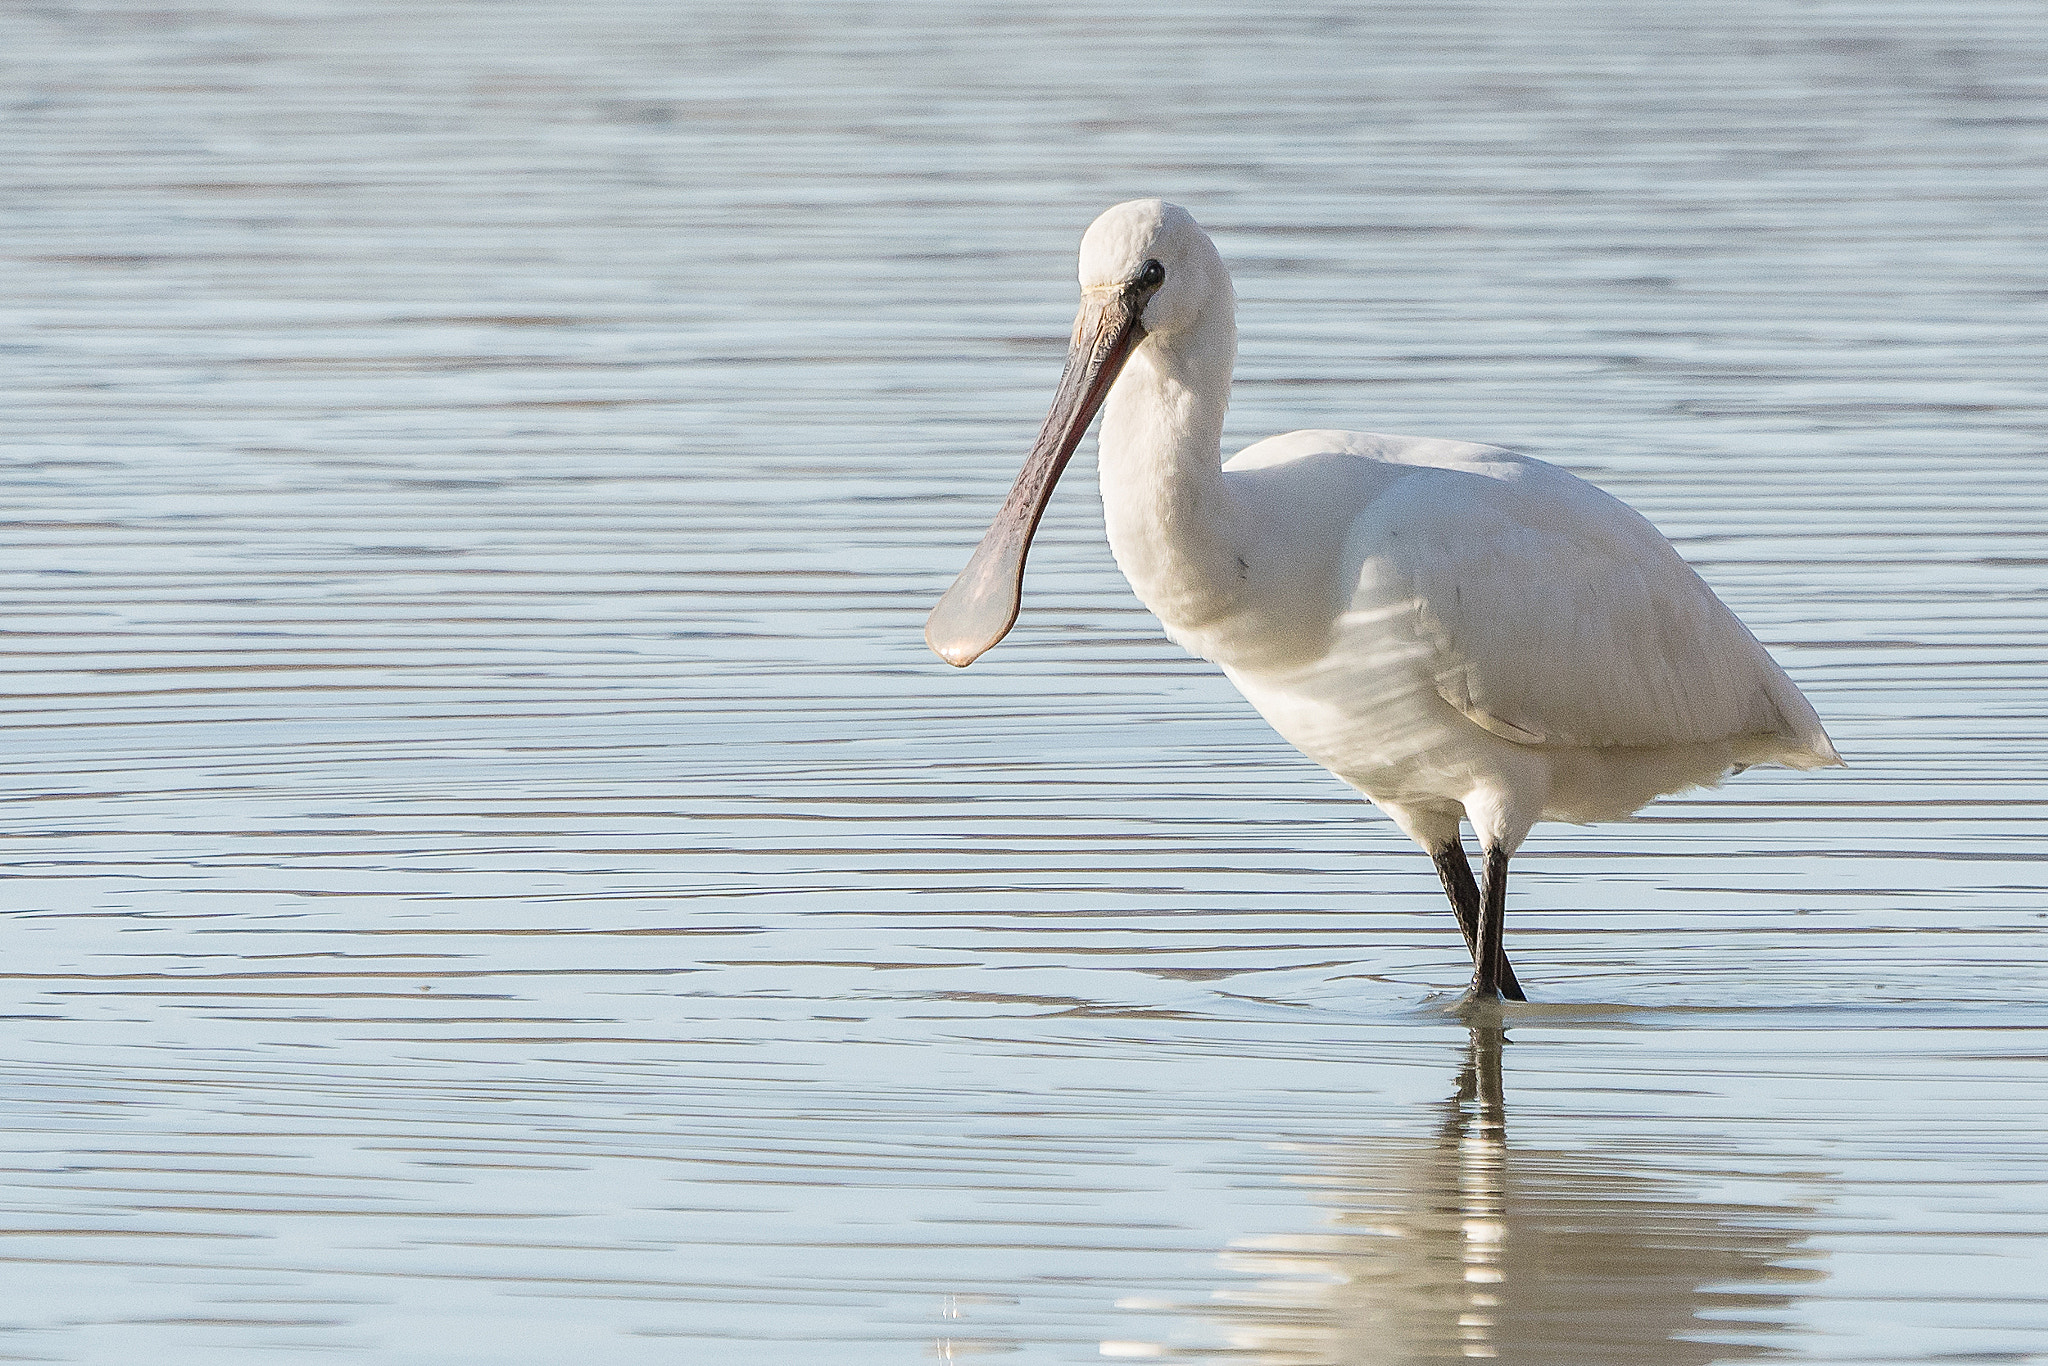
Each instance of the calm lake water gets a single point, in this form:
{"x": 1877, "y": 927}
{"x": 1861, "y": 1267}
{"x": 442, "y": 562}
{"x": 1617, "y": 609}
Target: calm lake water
{"x": 494, "y": 876}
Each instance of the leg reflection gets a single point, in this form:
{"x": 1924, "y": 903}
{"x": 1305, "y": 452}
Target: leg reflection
{"x": 1454, "y": 1245}
{"x": 1475, "y": 1126}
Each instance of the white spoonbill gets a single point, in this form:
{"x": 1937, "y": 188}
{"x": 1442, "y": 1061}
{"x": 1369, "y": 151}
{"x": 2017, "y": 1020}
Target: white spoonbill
{"x": 1457, "y": 631}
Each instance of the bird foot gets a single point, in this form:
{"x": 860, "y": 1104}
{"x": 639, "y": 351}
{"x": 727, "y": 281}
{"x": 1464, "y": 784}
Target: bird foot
{"x": 1482, "y": 1005}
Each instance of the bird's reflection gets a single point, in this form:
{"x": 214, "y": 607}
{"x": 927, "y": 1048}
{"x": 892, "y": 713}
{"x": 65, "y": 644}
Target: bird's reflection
{"x": 1460, "y": 1245}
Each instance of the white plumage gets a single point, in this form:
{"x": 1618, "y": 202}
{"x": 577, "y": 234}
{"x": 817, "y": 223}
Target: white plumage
{"x": 1453, "y": 629}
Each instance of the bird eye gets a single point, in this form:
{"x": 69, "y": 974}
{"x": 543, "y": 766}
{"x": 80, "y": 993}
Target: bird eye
{"x": 1152, "y": 276}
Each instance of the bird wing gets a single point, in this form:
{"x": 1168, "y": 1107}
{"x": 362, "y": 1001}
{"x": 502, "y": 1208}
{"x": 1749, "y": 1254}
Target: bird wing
{"x": 1554, "y": 614}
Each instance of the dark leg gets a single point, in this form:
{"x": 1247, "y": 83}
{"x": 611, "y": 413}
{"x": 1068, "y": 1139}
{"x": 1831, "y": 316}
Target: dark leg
{"x": 1456, "y": 872}
{"x": 1491, "y": 973}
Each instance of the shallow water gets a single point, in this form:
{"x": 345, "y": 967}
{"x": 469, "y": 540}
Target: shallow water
{"x": 495, "y": 877}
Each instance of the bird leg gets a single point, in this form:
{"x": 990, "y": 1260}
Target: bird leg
{"x": 1492, "y": 977}
{"x": 1456, "y": 872}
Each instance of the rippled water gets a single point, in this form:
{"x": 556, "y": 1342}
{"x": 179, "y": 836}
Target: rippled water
{"x": 495, "y": 877}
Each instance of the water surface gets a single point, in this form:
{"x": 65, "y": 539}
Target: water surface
{"x": 494, "y": 875}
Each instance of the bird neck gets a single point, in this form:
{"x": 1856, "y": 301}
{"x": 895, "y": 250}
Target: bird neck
{"x": 1164, "y": 499}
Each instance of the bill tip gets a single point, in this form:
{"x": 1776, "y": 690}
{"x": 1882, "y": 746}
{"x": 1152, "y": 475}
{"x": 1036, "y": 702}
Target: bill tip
{"x": 958, "y": 656}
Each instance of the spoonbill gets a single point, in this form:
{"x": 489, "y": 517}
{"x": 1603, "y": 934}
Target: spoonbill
{"x": 1457, "y": 631}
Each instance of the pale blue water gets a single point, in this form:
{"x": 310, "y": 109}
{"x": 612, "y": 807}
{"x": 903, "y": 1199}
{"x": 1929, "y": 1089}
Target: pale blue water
{"x": 495, "y": 877}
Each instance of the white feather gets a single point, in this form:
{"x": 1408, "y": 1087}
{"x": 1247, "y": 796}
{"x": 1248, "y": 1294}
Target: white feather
{"x": 1454, "y": 629}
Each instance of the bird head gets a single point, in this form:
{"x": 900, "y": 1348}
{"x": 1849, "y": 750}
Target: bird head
{"x": 1147, "y": 269}
{"x": 1154, "y": 254}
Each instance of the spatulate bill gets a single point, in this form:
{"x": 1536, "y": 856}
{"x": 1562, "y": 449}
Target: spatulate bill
{"x": 982, "y": 605}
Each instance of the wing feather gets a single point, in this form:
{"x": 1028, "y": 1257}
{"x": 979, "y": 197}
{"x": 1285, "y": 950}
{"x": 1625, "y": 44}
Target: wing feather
{"x": 1554, "y": 614}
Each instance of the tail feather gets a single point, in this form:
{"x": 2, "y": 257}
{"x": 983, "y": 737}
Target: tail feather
{"x": 1799, "y": 723}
